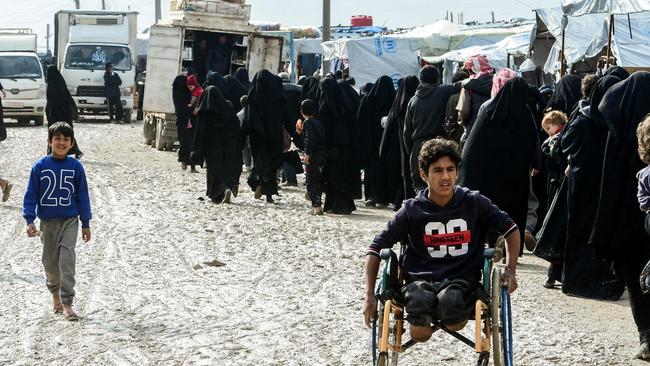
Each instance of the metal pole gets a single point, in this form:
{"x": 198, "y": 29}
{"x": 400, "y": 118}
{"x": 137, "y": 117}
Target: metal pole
{"x": 565, "y": 22}
{"x": 103, "y": 4}
{"x": 158, "y": 11}
{"x": 609, "y": 39}
{"x": 47, "y": 38}
{"x": 76, "y": 4}
{"x": 326, "y": 31}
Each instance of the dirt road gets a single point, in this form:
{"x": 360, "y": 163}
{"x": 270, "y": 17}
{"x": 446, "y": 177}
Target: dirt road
{"x": 290, "y": 292}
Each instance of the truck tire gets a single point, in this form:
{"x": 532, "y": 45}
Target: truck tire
{"x": 127, "y": 115}
{"x": 160, "y": 144}
{"x": 38, "y": 121}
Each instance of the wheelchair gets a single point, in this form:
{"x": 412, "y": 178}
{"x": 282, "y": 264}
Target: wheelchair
{"x": 493, "y": 326}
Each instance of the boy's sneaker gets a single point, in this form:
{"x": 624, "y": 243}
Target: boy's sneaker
{"x": 226, "y": 196}
{"x": 317, "y": 211}
{"x": 6, "y": 192}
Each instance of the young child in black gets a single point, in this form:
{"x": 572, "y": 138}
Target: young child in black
{"x": 315, "y": 154}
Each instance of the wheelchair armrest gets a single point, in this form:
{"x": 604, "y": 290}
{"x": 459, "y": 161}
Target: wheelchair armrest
{"x": 385, "y": 254}
{"x": 488, "y": 253}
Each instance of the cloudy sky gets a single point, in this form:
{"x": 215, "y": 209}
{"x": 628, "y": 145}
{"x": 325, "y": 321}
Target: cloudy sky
{"x": 36, "y": 14}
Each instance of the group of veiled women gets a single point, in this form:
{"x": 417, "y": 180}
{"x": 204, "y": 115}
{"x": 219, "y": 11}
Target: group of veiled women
{"x": 593, "y": 233}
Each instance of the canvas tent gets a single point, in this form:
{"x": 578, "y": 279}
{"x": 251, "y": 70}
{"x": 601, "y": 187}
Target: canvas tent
{"x": 369, "y": 58}
{"x": 578, "y": 8}
{"x": 586, "y": 38}
{"x": 498, "y": 54}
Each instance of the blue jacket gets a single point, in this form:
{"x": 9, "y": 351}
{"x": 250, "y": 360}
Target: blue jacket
{"x": 57, "y": 189}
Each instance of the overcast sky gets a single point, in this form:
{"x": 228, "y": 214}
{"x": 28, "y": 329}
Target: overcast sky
{"x": 36, "y": 14}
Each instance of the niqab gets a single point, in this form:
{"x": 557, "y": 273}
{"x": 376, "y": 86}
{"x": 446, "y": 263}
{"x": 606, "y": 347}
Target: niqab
{"x": 566, "y": 95}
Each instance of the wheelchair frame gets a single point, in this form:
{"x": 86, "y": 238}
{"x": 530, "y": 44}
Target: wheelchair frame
{"x": 493, "y": 326}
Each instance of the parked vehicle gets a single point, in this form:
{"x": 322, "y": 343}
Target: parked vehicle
{"x": 217, "y": 29}
{"x": 84, "y": 41}
{"x": 21, "y": 76}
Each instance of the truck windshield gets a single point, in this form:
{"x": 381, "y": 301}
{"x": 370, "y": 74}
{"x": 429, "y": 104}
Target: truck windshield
{"x": 20, "y": 67}
{"x": 95, "y": 57}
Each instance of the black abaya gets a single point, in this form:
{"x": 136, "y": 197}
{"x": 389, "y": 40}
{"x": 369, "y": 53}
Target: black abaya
{"x": 618, "y": 231}
{"x": 341, "y": 174}
{"x": 181, "y": 96}
{"x": 60, "y": 107}
{"x": 583, "y": 142}
{"x": 266, "y": 116}
{"x": 217, "y": 140}
{"x": 373, "y": 107}
{"x": 500, "y": 151}
{"x": 392, "y": 153}
{"x": 566, "y": 95}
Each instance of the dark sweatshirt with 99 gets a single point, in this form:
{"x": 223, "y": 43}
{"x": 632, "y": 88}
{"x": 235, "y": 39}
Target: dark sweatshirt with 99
{"x": 444, "y": 242}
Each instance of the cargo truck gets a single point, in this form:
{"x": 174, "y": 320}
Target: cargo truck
{"x": 84, "y": 41}
{"x": 175, "y": 44}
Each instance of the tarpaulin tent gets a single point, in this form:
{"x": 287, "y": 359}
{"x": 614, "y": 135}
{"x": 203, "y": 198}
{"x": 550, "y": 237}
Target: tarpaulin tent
{"x": 369, "y": 58}
{"x": 497, "y": 54}
{"x": 577, "y": 8}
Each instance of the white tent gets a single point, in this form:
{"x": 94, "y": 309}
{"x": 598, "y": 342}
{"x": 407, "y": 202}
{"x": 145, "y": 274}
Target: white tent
{"x": 582, "y": 7}
{"x": 369, "y": 58}
{"x": 497, "y": 54}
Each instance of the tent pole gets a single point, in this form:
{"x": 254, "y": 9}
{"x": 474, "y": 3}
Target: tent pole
{"x": 609, "y": 39}
{"x": 562, "y": 61}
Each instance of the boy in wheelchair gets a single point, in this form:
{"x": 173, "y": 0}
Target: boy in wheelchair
{"x": 444, "y": 230}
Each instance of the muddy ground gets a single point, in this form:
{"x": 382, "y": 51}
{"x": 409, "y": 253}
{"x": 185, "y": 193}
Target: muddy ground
{"x": 290, "y": 292}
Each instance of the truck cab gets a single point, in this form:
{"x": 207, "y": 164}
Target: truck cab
{"x": 84, "y": 42}
{"x": 21, "y": 76}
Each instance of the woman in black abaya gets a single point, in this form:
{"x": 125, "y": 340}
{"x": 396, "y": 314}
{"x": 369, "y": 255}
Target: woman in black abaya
{"x": 500, "y": 151}
{"x": 392, "y": 152}
{"x": 373, "y": 107}
{"x": 60, "y": 106}
{"x": 242, "y": 76}
{"x": 181, "y": 96}
{"x": 566, "y": 95}
{"x": 341, "y": 171}
{"x": 266, "y": 116}
{"x": 618, "y": 232}
{"x": 583, "y": 142}
{"x": 217, "y": 141}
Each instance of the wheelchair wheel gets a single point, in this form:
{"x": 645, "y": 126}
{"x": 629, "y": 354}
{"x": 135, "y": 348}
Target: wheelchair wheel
{"x": 500, "y": 321}
{"x": 386, "y": 326}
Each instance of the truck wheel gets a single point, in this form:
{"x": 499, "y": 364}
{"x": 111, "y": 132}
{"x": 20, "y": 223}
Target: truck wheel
{"x": 160, "y": 144}
{"x": 127, "y": 115}
{"x": 38, "y": 121}
{"x": 148, "y": 132}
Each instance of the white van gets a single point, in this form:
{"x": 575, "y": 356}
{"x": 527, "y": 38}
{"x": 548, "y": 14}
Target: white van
{"x": 21, "y": 76}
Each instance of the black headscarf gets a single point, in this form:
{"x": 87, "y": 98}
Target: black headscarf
{"x": 60, "y": 105}
{"x": 310, "y": 89}
{"x": 213, "y": 100}
{"x": 375, "y": 105}
{"x": 181, "y": 95}
{"x": 242, "y": 76}
{"x": 566, "y": 95}
{"x": 234, "y": 91}
{"x": 395, "y": 123}
{"x": 332, "y": 114}
{"x": 617, "y": 71}
{"x": 215, "y": 79}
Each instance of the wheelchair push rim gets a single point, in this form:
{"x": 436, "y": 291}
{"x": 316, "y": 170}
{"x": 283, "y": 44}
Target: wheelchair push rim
{"x": 501, "y": 321}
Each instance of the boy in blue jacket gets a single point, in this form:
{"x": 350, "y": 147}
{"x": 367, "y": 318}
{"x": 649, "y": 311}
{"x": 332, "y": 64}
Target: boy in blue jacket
{"x": 444, "y": 231}
{"x": 57, "y": 193}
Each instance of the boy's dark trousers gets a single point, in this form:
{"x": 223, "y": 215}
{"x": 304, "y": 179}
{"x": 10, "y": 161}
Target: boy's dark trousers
{"x": 315, "y": 178}
{"x": 115, "y": 108}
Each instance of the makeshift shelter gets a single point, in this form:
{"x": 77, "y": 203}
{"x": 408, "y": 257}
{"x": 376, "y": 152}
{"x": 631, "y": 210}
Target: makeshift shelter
{"x": 501, "y": 54}
{"x": 578, "y": 8}
{"x": 369, "y": 58}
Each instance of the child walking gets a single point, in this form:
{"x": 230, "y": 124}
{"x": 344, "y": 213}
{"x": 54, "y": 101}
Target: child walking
{"x": 315, "y": 154}
{"x": 57, "y": 193}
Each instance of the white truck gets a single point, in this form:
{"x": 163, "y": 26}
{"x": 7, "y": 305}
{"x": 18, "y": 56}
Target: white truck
{"x": 174, "y": 45}
{"x": 21, "y": 76}
{"x": 84, "y": 41}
